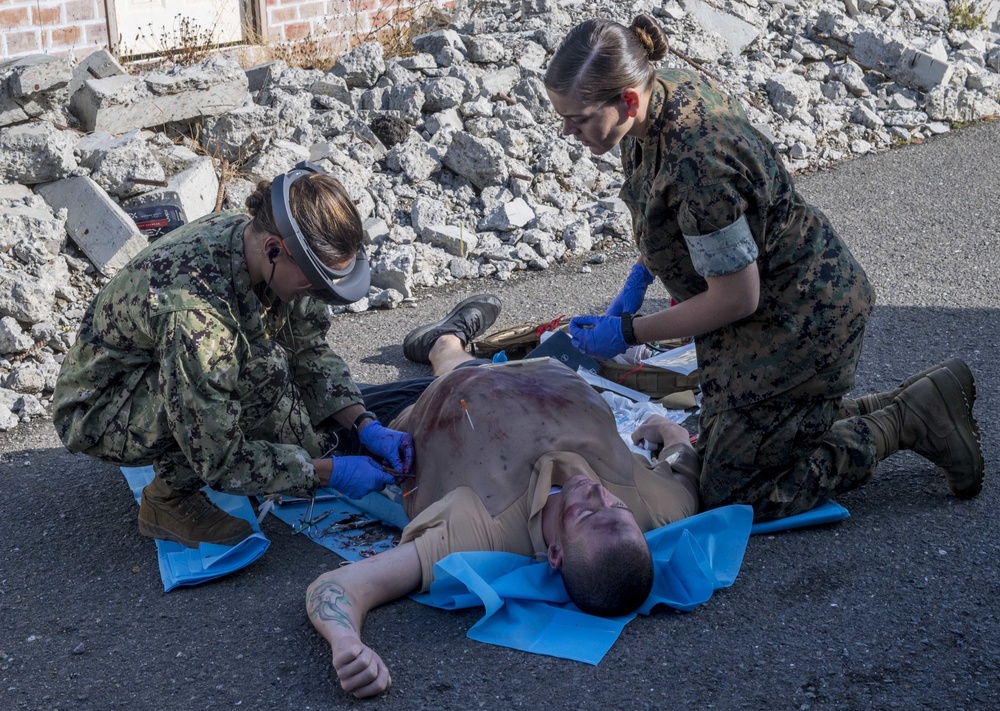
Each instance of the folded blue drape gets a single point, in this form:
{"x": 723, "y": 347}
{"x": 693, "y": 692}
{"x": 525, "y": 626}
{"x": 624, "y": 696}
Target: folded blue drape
{"x": 180, "y": 565}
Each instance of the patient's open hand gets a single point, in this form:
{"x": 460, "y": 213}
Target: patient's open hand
{"x": 360, "y": 670}
{"x": 661, "y": 431}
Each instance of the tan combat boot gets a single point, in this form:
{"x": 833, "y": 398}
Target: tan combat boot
{"x": 188, "y": 518}
{"x": 958, "y": 368}
{"x": 933, "y": 418}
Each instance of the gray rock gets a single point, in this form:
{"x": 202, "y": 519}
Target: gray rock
{"x": 445, "y": 46}
{"x": 508, "y": 216}
{"x": 236, "y": 134}
{"x": 121, "y": 103}
{"x": 35, "y": 153}
{"x": 25, "y": 298}
{"x": 789, "y": 93}
{"x": 485, "y": 49}
{"x": 386, "y": 299}
{"x": 13, "y": 339}
{"x": 415, "y": 157}
{"x": 851, "y": 76}
{"x": 443, "y": 93}
{"x": 361, "y": 66}
{"x": 578, "y": 237}
{"x": 480, "y": 160}
{"x": 393, "y": 269}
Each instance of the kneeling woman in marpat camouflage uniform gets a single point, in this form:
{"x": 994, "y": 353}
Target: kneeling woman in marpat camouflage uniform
{"x": 775, "y": 301}
{"x": 206, "y": 357}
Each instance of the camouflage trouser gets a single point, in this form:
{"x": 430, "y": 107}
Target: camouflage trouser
{"x": 784, "y": 457}
{"x": 271, "y": 409}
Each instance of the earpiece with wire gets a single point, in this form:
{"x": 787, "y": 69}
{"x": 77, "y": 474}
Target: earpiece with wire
{"x": 272, "y": 253}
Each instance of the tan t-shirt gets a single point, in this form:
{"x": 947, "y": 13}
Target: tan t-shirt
{"x": 534, "y": 424}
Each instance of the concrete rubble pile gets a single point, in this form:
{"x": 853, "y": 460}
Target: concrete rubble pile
{"x": 452, "y": 154}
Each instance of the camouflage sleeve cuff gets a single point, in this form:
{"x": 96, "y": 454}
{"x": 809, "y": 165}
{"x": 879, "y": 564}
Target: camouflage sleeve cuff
{"x": 724, "y": 251}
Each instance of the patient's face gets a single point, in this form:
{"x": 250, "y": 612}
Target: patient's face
{"x": 589, "y": 512}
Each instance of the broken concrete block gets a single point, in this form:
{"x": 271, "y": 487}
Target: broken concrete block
{"x": 31, "y": 225}
{"x": 121, "y": 103}
{"x": 851, "y": 76}
{"x": 237, "y": 134}
{"x": 122, "y": 165}
{"x": 96, "y": 65}
{"x": 737, "y": 33}
{"x": 453, "y": 239}
{"x": 789, "y": 93}
{"x": 480, "y": 160}
{"x": 13, "y": 339}
{"x": 94, "y": 222}
{"x": 920, "y": 70}
{"x": 866, "y": 117}
{"x": 25, "y": 297}
{"x": 443, "y": 44}
{"x": 26, "y": 84}
{"x": 578, "y": 237}
{"x": 36, "y": 73}
{"x": 195, "y": 189}
{"x": 393, "y": 269}
{"x": 36, "y": 153}
{"x": 415, "y": 157}
{"x": 260, "y": 75}
{"x": 362, "y": 66}
{"x": 334, "y": 87}
{"x": 443, "y": 93}
{"x": 485, "y": 50}
{"x": 508, "y": 216}
{"x": 277, "y": 157}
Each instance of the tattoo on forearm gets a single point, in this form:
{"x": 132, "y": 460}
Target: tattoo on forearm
{"x": 328, "y": 601}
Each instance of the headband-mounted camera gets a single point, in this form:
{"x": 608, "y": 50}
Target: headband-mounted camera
{"x": 334, "y": 286}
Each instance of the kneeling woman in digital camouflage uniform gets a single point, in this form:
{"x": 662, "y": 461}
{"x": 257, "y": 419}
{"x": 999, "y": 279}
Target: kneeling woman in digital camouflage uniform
{"x": 774, "y": 299}
{"x": 206, "y": 357}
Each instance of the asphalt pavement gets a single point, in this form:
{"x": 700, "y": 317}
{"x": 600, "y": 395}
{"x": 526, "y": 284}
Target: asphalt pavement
{"x": 894, "y": 608}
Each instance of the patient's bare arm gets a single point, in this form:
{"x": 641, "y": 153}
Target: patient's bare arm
{"x": 674, "y": 441}
{"x": 339, "y": 600}
{"x": 659, "y": 430}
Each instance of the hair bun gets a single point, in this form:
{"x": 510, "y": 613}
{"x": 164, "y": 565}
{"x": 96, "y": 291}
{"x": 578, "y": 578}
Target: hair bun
{"x": 651, "y": 37}
{"x": 257, "y": 197}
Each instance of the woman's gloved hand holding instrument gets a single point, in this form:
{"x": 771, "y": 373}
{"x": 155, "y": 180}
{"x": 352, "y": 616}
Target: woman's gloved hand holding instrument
{"x": 358, "y": 475}
{"x": 393, "y": 446}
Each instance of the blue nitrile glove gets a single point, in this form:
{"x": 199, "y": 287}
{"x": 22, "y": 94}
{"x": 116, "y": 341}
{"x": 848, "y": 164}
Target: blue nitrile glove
{"x": 598, "y": 336}
{"x": 356, "y": 476}
{"x": 630, "y": 297}
{"x": 393, "y": 446}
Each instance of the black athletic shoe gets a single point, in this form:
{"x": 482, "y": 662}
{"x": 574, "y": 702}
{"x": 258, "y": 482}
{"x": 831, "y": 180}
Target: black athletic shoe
{"x": 468, "y": 319}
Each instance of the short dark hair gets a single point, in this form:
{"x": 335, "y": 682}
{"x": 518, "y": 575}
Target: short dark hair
{"x": 610, "y": 581}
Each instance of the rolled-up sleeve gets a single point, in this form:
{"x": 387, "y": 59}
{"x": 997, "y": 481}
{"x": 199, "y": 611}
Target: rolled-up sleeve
{"x": 716, "y": 230}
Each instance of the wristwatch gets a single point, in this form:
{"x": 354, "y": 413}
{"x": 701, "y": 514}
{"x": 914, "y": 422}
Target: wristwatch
{"x": 366, "y": 415}
{"x": 628, "y": 332}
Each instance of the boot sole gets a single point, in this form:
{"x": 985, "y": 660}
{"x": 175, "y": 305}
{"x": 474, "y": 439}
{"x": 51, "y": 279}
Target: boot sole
{"x": 151, "y": 530}
{"x": 412, "y": 345}
{"x": 963, "y": 483}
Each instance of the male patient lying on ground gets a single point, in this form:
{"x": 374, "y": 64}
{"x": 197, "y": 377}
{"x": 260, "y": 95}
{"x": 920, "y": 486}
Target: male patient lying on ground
{"x": 523, "y": 458}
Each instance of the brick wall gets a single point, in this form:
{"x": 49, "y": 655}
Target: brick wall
{"x": 336, "y": 25}
{"x": 57, "y": 27}
{"x": 75, "y": 28}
